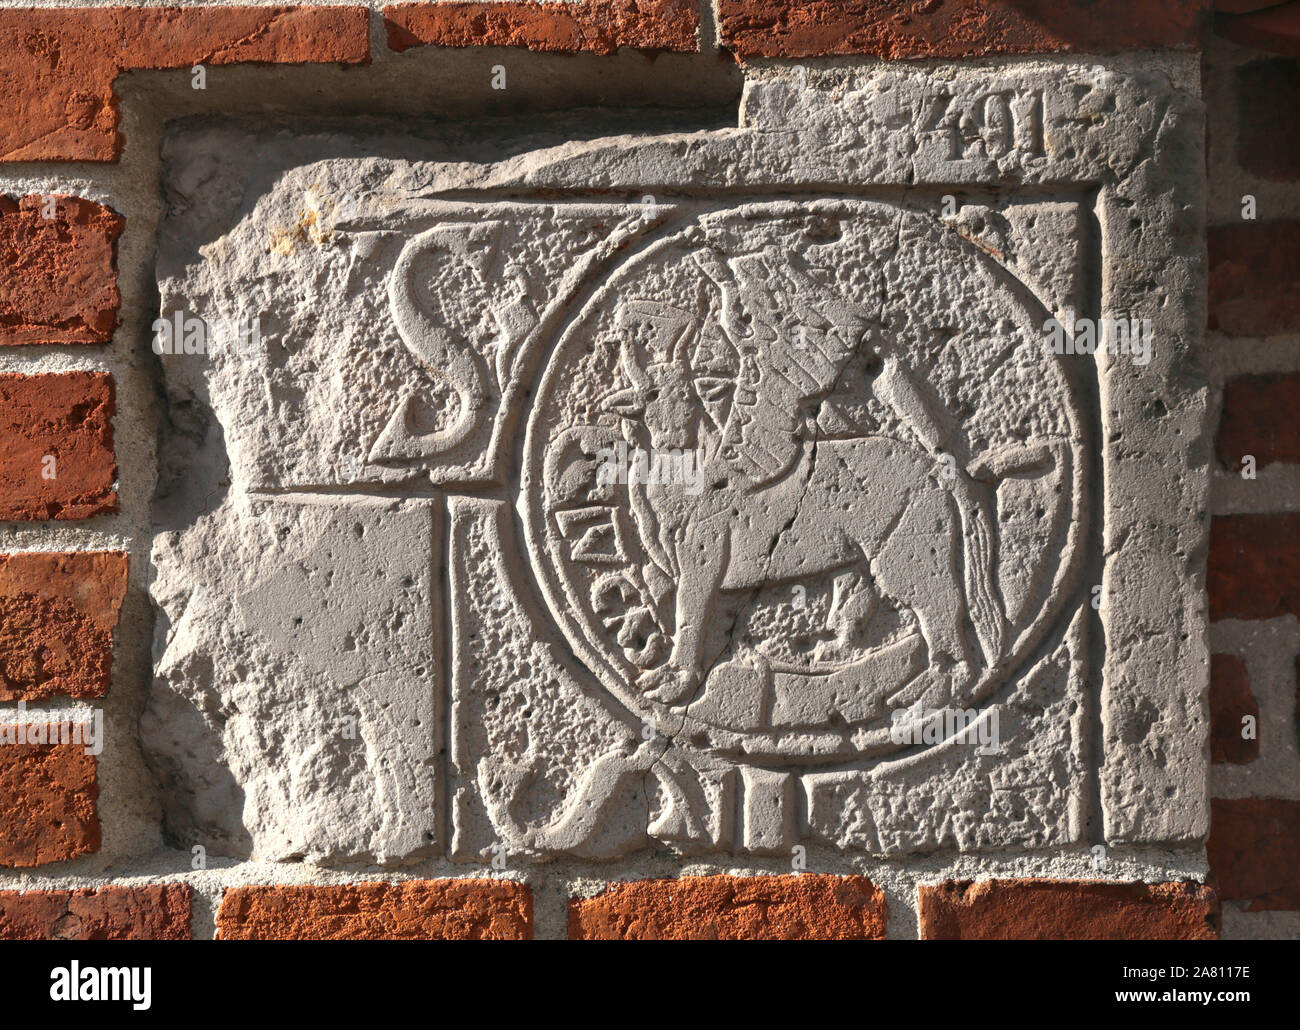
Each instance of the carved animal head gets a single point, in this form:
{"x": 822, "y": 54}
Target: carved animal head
{"x": 671, "y": 406}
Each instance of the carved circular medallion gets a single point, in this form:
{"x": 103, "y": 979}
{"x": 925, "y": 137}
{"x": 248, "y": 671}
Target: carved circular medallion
{"x": 794, "y": 468}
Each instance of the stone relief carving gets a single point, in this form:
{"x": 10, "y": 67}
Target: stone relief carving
{"x": 765, "y": 495}
{"x": 728, "y": 497}
{"x": 826, "y": 468}
{"x": 461, "y": 252}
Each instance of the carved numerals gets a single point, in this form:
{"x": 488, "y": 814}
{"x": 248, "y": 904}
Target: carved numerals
{"x": 987, "y": 126}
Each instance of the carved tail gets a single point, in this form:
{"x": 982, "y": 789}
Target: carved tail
{"x": 979, "y": 563}
{"x": 979, "y": 543}
{"x": 571, "y": 827}
{"x": 982, "y": 594}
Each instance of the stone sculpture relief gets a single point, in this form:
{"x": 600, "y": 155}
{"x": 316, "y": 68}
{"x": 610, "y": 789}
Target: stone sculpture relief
{"x": 712, "y": 504}
{"x": 822, "y": 461}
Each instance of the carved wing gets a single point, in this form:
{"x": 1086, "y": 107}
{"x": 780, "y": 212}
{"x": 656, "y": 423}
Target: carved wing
{"x": 795, "y": 338}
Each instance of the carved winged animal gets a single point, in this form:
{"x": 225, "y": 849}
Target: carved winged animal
{"x": 780, "y": 503}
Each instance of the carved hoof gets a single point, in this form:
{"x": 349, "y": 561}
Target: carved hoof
{"x": 669, "y": 687}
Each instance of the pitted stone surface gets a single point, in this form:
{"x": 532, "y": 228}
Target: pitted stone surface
{"x": 648, "y": 491}
{"x": 293, "y": 709}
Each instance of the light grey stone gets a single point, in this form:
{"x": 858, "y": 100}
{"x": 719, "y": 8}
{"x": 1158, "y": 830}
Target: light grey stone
{"x": 294, "y": 710}
{"x": 870, "y": 489}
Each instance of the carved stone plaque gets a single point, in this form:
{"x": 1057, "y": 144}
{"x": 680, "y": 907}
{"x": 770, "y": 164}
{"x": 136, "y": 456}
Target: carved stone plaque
{"x": 652, "y": 492}
{"x": 824, "y": 535}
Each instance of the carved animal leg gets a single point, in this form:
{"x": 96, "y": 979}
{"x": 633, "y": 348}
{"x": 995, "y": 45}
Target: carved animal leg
{"x": 918, "y": 565}
{"x": 702, "y": 561}
{"x": 853, "y": 601}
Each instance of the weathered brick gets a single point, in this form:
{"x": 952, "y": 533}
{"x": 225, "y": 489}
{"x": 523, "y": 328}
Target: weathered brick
{"x": 1067, "y": 910}
{"x": 1253, "y": 570}
{"x": 66, "y": 415}
{"x": 1274, "y": 28}
{"x": 60, "y": 282}
{"x": 48, "y": 795}
{"x": 58, "y": 610}
{"x": 1244, "y": 6}
{"x": 598, "y": 26}
{"x": 1268, "y": 96}
{"x": 1255, "y": 278}
{"x": 1261, "y": 417}
{"x": 413, "y": 910}
{"x": 959, "y": 28}
{"x": 1254, "y": 851}
{"x": 795, "y": 907}
{"x": 58, "y": 65}
{"x": 1230, "y": 700}
{"x": 145, "y": 913}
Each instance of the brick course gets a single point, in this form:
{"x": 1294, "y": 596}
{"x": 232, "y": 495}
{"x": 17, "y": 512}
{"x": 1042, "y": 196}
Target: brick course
{"x": 1255, "y": 278}
{"x": 1067, "y": 910}
{"x": 959, "y": 28}
{"x": 1274, "y": 28}
{"x": 1268, "y": 95}
{"x": 796, "y": 907}
{"x": 58, "y": 610}
{"x": 60, "y": 282}
{"x": 1254, "y": 852}
{"x": 66, "y": 415}
{"x": 1261, "y": 417}
{"x": 595, "y": 26}
{"x": 413, "y": 910}
{"x": 1230, "y": 700}
{"x": 145, "y": 913}
{"x": 57, "y": 71}
{"x": 48, "y": 798}
{"x": 1253, "y": 570}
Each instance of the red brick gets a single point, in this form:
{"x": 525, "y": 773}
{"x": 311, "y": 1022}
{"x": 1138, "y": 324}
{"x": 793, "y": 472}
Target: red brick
{"x": 1255, "y": 278}
{"x": 67, "y": 415}
{"x": 1268, "y": 96}
{"x": 597, "y": 26}
{"x": 1244, "y": 6}
{"x": 1261, "y": 417}
{"x": 457, "y": 910}
{"x": 58, "y": 64}
{"x": 795, "y": 907}
{"x": 48, "y": 795}
{"x": 1253, "y": 570}
{"x": 58, "y": 610}
{"x": 1254, "y": 852}
{"x": 1230, "y": 700}
{"x": 147, "y": 913}
{"x": 1067, "y": 910}
{"x": 60, "y": 283}
{"x": 1276, "y": 29}
{"x": 954, "y": 28}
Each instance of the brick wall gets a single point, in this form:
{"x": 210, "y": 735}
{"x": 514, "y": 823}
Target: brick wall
{"x": 85, "y": 93}
{"x": 1252, "y": 84}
